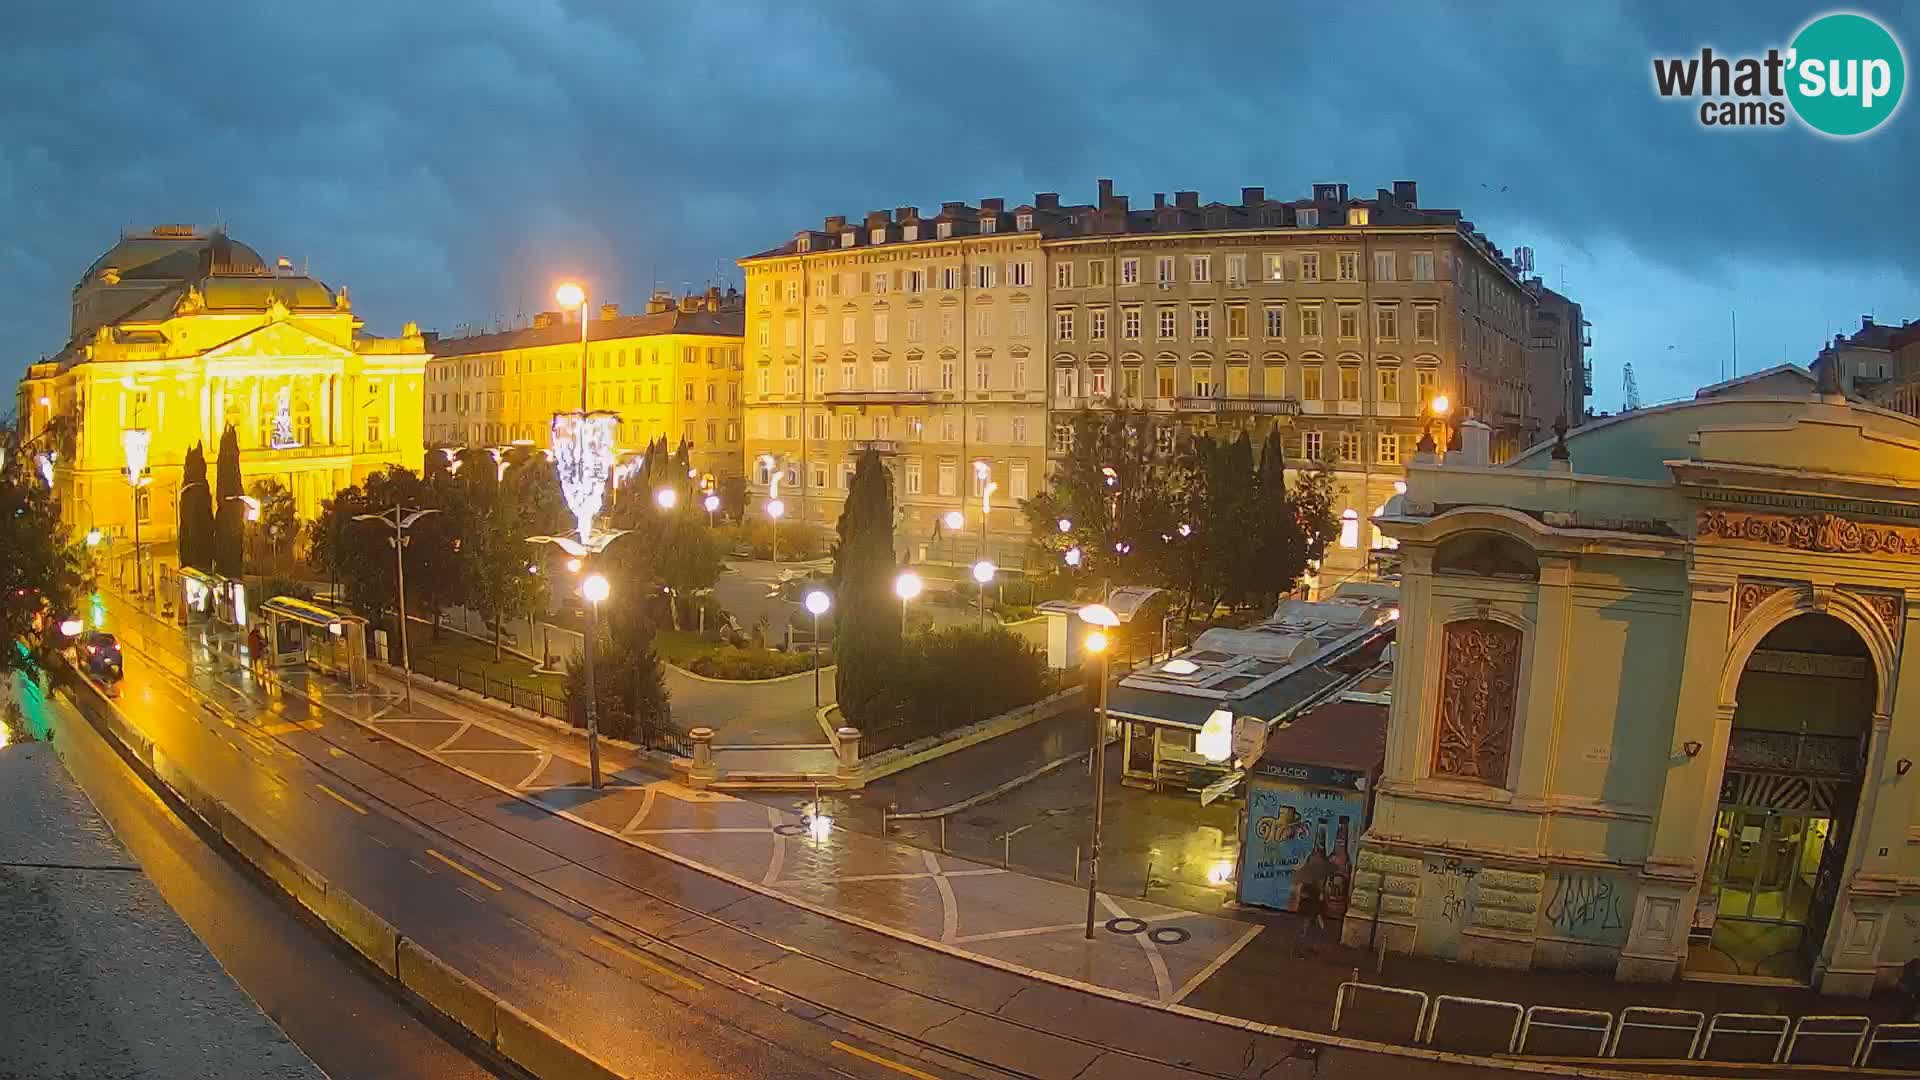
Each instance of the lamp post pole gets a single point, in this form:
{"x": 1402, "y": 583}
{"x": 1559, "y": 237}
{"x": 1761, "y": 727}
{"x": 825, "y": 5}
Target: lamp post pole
{"x": 1099, "y": 792}
{"x": 400, "y": 588}
{"x": 593, "y": 688}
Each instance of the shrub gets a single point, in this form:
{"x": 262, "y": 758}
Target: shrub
{"x": 962, "y": 675}
{"x": 726, "y": 662}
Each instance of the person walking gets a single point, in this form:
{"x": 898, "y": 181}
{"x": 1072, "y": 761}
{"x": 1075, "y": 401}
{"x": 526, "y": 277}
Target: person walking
{"x": 256, "y": 651}
{"x": 1313, "y": 920}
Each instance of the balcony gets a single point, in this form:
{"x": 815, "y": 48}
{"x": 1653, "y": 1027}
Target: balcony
{"x": 1243, "y": 405}
{"x": 886, "y": 447}
{"x": 878, "y": 397}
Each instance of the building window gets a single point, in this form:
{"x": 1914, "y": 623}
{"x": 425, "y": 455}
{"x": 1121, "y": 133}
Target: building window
{"x": 1066, "y": 383}
{"x": 818, "y": 422}
{"x": 1388, "y": 449}
{"x": 1386, "y": 322}
{"x": 1130, "y": 324}
{"x": 1130, "y": 382}
{"x": 1237, "y": 321}
{"x": 763, "y": 381}
{"x": 1349, "y": 325}
{"x": 946, "y": 326}
{"x": 1166, "y": 323}
{"x": 1349, "y": 382}
{"x": 1311, "y": 378}
{"x": 1017, "y": 480}
{"x": 983, "y": 275}
{"x": 1480, "y": 677}
{"x": 882, "y": 375}
{"x": 819, "y": 380}
{"x": 1019, "y": 273}
{"x": 913, "y": 375}
{"x": 946, "y": 375}
{"x": 792, "y": 329}
{"x": 949, "y": 428}
{"x": 1063, "y": 324}
{"x": 1163, "y": 380}
{"x": 1426, "y": 323}
{"x": 1389, "y": 383}
{"x": 879, "y": 327}
{"x": 1019, "y": 327}
{"x": 1307, "y": 219}
{"x": 980, "y": 430}
{"x": 1062, "y": 438}
{"x": 1097, "y": 379}
{"x": 916, "y": 280}
{"x": 1383, "y": 266}
{"x": 1129, "y": 271}
{"x": 982, "y": 374}
{"x": 948, "y": 479}
{"x": 733, "y": 431}
{"x": 1097, "y": 272}
{"x": 1202, "y": 323}
{"x": 818, "y": 477}
{"x": 1097, "y": 324}
{"x": 989, "y": 223}
{"x": 983, "y": 324}
{"x": 1423, "y": 385}
{"x": 793, "y": 292}
{"x": 765, "y": 333}
{"x": 848, "y": 427}
{"x": 1163, "y": 440}
{"x": 1200, "y": 268}
{"x": 1358, "y": 215}
{"x": 913, "y": 476}
{"x": 1063, "y": 274}
{"x": 1019, "y": 374}
{"x": 1203, "y": 385}
{"x": 1310, "y": 321}
{"x": 1276, "y": 266}
{"x": 949, "y": 275}
{"x": 1350, "y": 447}
{"x": 1422, "y": 265}
{"x": 1276, "y": 322}
{"x": 1309, "y": 263}
{"x": 1019, "y": 432}
{"x": 1236, "y": 270}
{"x": 1314, "y": 446}
{"x": 1163, "y": 270}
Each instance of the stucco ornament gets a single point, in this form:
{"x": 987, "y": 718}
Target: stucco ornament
{"x": 1810, "y": 532}
{"x": 1479, "y": 681}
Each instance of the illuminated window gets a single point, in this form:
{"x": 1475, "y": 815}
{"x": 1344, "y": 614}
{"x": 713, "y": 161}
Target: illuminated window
{"x": 1349, "y": 529}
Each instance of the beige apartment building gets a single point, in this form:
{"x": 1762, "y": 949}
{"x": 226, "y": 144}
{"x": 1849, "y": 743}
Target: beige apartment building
{"x": 674, "y": 371}
{"x": 974, "y": 334}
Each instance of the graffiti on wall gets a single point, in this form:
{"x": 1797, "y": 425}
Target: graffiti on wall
{"x": 1586, "y": 906}
{"x": 1445, "y": 905}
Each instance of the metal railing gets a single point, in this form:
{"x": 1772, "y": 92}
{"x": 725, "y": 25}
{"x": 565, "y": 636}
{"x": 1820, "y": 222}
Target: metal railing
{"x": 535, "y": 698}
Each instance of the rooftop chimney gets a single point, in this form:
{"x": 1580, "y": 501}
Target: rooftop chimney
{"x": 609, "y": 311}
{"x": 1252, "y": 196}
{"x": 1046, "y": 200}
{"x": 713, "y": 298}
{"x": 878, "y": 219}
{"x": 992, "y": 206}
{"x": 1476, "y": 444}
{"x": 953, "y": 209}
{"x": 1187, "y": 200}
{"x": 1159, "y": 200}
{"x": 689, "y": 304}
{"x": 1404, "y": 193}
{"x": 1866, "y": 322}
{"x": 906, "y": 214}
{"x": 544, "y": 319}
{"x": 1106, "y": 193}
{"x": 659, "y": 303}
{"x": 836, "y": 223}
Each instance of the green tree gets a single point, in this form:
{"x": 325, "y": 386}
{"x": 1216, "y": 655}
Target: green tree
{"x": 360, "y": 553}
{"x": 1116, "y": 519}
{"x": 866, "y": 647}
{"x": 1313, "y": 501}
{"x": 40, "y": 577}
{"x": 196, "y": 511}
{"x": 229, "y": 514}
{"x": 279, "y": 524}
{"x": 631, "y": 697}
{"x": 1279, "y": 547}
{"x": 961, "y": 675}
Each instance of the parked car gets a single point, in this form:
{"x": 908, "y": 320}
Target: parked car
{"x": 100, "y": 651}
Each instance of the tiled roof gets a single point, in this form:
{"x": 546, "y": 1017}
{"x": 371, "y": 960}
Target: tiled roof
{"x": 715, "y": 323}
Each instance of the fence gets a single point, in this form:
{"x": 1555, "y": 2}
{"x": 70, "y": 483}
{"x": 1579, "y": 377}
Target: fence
{"x": 534, "y": 698}
{"x": 1401, "y": 1015}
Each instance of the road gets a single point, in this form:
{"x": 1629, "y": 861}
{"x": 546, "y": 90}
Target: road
{"x": 292, "y": 968}
{"x": 463, "y": 888}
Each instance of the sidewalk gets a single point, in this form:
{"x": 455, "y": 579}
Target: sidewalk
{"x": 100, "y": 977}
{"x": 1236, "y": 963}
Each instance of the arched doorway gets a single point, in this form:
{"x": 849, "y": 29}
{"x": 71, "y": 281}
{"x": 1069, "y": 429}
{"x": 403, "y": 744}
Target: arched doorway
{"x": 1787, "y": 802}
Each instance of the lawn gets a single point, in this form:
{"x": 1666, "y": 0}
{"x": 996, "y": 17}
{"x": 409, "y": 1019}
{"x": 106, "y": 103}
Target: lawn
{"x": 451, "y": 649}
{"x": 686, "y": 649}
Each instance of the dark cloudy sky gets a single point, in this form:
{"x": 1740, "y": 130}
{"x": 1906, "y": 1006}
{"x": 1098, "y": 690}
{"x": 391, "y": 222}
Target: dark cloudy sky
{"x": 449, "y": 161}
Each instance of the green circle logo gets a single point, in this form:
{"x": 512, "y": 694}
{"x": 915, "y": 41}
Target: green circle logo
{"x": 1847, "y": 74}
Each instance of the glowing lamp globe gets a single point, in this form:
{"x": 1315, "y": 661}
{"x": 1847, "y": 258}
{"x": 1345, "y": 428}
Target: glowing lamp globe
{"x": 595, "y": 588}
{"x": 907, "y": 586}
{"x": 818, "y": 602}
{"x": 569, "y": 295}
{"x": 983, "y": 571}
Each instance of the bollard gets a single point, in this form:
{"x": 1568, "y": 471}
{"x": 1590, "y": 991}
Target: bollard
{"x": 702, "y": 773}
{"x": 849, "y": 751}
{"x": 943, "y": 836}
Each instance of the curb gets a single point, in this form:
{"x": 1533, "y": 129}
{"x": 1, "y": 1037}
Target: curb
{"x": 995, "y": 792}
{"x": 509, "y": 1032}
{"x": 435, "y": 688}
{"x": 824, "y": 668}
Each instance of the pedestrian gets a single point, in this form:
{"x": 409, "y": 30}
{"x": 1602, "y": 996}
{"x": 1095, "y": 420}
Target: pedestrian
{"x": 256, "y": 650}
{"x": 1313, "y": 920}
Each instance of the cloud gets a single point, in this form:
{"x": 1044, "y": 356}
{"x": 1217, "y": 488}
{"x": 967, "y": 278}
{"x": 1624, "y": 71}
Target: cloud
{"x": 448, "y": 162}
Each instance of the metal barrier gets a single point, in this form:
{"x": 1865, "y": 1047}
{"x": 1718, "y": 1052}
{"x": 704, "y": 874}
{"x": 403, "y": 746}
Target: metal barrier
{"x": 1749, "y": 1025}
{"x": 1901, "y": 1035}
{"x": 1562, "y": 1019}
{"x": 1440, "y": 1003}
{"x": 1825, "y": 1037}
{"x": 1649, "y": 1018}
{"x": 536, "y": 700}
{"x": 1419, "y": 996}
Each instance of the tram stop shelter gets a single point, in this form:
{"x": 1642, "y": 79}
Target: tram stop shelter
{"x": 301, "y": 633}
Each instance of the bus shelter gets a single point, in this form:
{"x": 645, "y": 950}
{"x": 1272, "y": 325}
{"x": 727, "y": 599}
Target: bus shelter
{"x": 301, "y": 633}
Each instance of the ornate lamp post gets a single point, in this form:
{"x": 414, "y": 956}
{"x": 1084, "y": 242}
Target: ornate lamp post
{"x": 1102, "y": 619}
{"x": 402, "y": 519}
{"x": 133, "y": 443}
{"x": 906, "y": 587}
{"x": 817, "y": 604}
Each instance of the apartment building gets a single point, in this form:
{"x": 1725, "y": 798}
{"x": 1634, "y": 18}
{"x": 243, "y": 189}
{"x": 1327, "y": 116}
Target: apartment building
{"x": 922, "y": 338}
{"x": 674, "y": 371}
{"x": 1558, "y": 372}
{"x": 972, "y": 334}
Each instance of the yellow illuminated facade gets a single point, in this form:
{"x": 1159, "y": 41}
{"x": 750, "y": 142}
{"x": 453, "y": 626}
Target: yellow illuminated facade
{"x": 181, "y": 332}
{"x": 673, "y": 371}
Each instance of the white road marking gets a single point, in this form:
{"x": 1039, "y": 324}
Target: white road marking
{"x": 1217, "y": 963}
{"x": 1159, "y": 963}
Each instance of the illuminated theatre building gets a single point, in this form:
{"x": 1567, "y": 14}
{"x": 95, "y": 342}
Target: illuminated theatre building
{"x": 180, "y": 332}
{"x": 1650, "y": 712}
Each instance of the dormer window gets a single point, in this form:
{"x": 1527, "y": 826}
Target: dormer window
{"x": 849, "y": 238}
{"x": 803, "y": 242}
{"x": 1357, "y": 215}
{"x": 944, "y": 230}
{"x": 879, "y": 236}
{"x": 1023, "y": 222}
{"x": 1307, "y": 219}
{"x": 988, "y": 223}
{"x": 909, "y": 232}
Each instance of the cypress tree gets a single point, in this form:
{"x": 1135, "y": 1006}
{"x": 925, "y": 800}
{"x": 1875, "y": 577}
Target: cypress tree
{"x": 196, "y": 512}
{"x": 230, "y": 514}
{"x": 867, "y": 646}
{"x": 1279, "y": 544}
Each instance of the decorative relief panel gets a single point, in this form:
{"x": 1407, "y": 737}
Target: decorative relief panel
{"x": 1479, "y": 680}
{"x": 1750, "y": 595}
{"x": 1810, "y": 532}
{"x": 1888, "y": 607}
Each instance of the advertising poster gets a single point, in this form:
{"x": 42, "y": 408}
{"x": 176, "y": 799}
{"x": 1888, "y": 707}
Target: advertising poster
{"x": 1298, "y": 834}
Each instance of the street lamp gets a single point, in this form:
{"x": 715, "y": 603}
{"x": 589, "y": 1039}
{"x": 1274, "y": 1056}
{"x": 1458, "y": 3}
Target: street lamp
{"x": 593, "y": 589}
{"x": 906, "y": 587}
{"x": 775, "y": 508}
{"x": 401, "y": 519}
{"x": 134, "y": 443}
{"x": 817, "y": 602}
{"x": 712, "y": 503}
{"x": 1102, "y": 619}
{"x": 666, "y": 498}
{"x": 983, "y": 572}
